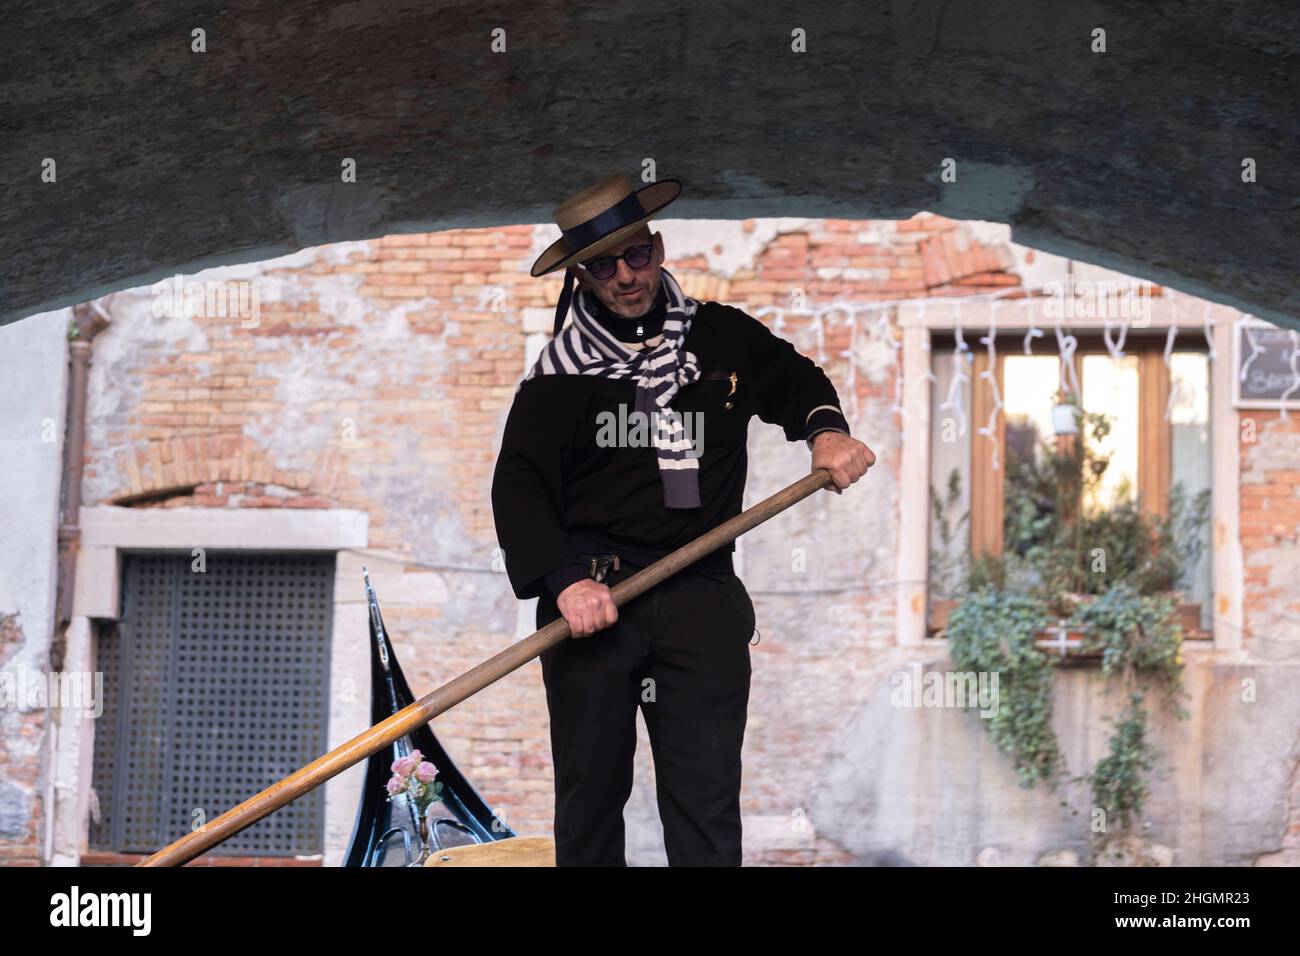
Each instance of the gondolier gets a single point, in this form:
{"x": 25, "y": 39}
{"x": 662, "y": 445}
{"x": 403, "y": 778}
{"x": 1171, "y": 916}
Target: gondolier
{"x": 627, "y": 439}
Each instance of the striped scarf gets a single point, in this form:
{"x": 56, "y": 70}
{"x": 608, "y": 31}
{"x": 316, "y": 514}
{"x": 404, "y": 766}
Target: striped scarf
{"x": 586, "y": 347}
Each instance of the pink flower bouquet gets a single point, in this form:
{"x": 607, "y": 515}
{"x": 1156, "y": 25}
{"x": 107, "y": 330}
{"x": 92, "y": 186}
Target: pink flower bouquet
{"x": 414, "y": 776}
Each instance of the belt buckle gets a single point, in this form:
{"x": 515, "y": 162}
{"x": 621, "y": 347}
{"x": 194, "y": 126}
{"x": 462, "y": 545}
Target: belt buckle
{"x": 601, "y": 564}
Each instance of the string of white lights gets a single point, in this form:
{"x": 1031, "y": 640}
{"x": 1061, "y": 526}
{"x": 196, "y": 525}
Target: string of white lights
{"x": 929, "y": 376}
{"x": 1209, "y": 331}
{"x": 956, "y": 388}
{"x": 1175, "y": 386}
{"x": 1295, "y": 372}
{"x": 1066, "y": 346}
{"x": 895, "y": 360}
{"x": 852, "y": 356}
{"x": 1115, "y": 348}
{"x": 1114, "y": 333}
{"x": 991, "y": 375}
{"x": 885, "y": 324}
{"x": 1033, "y": 333}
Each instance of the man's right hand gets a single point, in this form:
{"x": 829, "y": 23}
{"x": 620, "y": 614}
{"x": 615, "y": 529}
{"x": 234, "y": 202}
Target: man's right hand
{"x": 587, "y": 607}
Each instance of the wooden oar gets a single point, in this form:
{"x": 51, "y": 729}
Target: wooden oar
{"x": 471, "y": 682}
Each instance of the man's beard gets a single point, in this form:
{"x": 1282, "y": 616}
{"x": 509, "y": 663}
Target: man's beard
{"x": 645, "y": 300}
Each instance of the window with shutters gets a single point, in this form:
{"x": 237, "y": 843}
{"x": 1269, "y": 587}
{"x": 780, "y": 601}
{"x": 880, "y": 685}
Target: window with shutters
{"x": 216, "y": 685}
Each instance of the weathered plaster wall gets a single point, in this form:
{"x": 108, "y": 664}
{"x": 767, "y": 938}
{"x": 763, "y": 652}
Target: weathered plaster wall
{"x": 924, "y": 786}
{"x": 33, "y": 393}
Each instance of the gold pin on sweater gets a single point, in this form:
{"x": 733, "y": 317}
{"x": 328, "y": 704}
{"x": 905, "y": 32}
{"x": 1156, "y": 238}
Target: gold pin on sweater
{"x": 733, "y": 377}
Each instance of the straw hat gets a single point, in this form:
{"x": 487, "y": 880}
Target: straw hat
{"x": 596, "y": 219}
{"x": 601, "y": 216}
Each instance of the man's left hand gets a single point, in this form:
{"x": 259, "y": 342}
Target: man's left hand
{"x": 846, "y": 458}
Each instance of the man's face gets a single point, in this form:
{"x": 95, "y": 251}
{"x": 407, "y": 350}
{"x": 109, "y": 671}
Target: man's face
{"x": 642, "y": 284}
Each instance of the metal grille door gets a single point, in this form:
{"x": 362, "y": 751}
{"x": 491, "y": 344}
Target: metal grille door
{"x": 216, "y": 685}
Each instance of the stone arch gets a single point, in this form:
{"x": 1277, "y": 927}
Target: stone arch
{"x": 1166, "y": 153}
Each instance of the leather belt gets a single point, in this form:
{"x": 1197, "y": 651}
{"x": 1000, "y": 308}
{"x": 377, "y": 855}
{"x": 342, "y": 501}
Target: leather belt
{"x": 600, "y": 557}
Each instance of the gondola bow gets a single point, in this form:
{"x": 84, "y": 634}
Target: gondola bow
{"x": 388, "y": 831}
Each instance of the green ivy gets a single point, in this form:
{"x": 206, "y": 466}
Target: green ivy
{"x": 1134, "y": 634}
{"x": 1119, "y": 779}
{"x": 1047, "y": 572}
{"x": 993, "y": 631}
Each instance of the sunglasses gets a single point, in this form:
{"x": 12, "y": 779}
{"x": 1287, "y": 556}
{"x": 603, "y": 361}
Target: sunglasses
{"x": 638, "y": 257}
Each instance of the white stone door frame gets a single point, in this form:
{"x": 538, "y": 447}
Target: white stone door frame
{"x": 107, "y": 531}
{"x": 1014, "y": 317}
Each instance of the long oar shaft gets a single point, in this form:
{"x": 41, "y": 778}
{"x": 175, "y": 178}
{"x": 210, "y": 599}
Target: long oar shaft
{"x": 466, "y": 685}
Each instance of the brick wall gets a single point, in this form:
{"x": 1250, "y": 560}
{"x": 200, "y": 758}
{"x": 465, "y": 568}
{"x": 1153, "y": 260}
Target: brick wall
{"x": 1270, "y": 527}
{"x": 378, "y": 377}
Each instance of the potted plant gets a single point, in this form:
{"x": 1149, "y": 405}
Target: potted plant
{"x": 1065, "y": 413}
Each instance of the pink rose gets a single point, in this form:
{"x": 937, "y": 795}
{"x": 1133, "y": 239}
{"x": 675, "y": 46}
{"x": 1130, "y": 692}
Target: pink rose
{"x": 395, "y": 785}
{"x": 425, "y": 772}
{"x": 405, "y": 766}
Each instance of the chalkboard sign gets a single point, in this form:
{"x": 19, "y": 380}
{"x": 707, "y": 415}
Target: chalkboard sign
{"x": 1265, "y": 376}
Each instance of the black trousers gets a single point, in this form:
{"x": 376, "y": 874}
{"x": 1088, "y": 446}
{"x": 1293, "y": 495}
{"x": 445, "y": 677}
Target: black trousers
{"x": 680, "y": 652}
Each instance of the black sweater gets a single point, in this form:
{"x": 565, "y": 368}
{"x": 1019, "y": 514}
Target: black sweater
{"x": 552, "y": 477}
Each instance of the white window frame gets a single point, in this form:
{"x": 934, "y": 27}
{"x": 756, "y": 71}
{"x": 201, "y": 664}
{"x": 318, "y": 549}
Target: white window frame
{"x": 1014, "y": 317}
{"x": 107, "y": 531}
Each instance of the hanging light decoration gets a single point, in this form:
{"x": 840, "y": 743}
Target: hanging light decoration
{"x": 990, "y": 374}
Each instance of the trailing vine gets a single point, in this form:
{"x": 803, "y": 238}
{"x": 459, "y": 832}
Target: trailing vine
{"x": 1109, "y": 573}
{"x": 1135, "y": 635}
{"x": 993, "y": 631}
{"x": 1119, "y": 786}
{"x": 1136, "y": 638}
